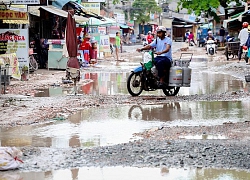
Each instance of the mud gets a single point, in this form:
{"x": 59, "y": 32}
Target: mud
{"x": 162, "y": 146}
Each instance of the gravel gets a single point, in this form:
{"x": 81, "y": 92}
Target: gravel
{"x": 159, "y": 147}
{"x": 144, "y": 153}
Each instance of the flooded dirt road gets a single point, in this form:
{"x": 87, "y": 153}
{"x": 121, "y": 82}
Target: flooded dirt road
{"x": 130, "y": 173}
{"x": 103, "y": 133}
{"x": 109, "y": 126}
{"x": 114, "y": 83}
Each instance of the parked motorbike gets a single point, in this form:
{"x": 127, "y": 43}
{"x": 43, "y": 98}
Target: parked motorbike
{"x": 143, "y": 79}
{"x": 144, "y": 41}
{"x": 33, "y": 65}
{"x": 211, "y": 47}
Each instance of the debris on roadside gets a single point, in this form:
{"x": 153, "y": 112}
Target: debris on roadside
{"x": 10, "y": 158}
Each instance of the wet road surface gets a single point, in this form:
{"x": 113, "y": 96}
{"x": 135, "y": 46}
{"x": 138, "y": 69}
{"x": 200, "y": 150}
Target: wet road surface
{"x": 105, "y": 83}
{"x": 129, "y": 173}
{"x": 108, "y": 126}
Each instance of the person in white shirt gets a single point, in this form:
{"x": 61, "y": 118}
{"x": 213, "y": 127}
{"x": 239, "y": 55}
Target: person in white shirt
{"x": 243, "y": 35}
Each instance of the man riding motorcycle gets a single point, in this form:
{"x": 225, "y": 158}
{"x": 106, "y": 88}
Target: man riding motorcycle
{"x": 164, "y": 55}
{"x": 210, "y": 36}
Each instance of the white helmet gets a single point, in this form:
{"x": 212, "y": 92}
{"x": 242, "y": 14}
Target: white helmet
{"x": 210, "y": 32}
{"x": 161, "y": 29}
{"x": 149, "y": 32}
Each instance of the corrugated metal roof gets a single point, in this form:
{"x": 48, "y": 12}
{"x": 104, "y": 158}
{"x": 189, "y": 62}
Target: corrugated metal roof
{"x": 62, "y": 13}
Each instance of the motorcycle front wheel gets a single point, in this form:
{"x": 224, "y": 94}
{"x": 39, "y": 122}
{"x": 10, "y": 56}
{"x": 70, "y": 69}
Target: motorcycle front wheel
{"x": 134, "y": 84}
{"x": 171, "y": 91}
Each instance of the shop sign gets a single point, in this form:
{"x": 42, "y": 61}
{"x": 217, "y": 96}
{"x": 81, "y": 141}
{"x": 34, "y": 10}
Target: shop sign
{"x": 102, "y": 30}
{"x": 12, "y": 61}
{"x": 120, "y": 18}
{"x": 112, "y": 31}
{"x": 26, "y": 2}
{"x": 15, "y": 41}
{"x": 13, "y": 15}
{"x": 104, "y": 43}
{"x": 92, "y": 7}
{"x": 131, "y": 23}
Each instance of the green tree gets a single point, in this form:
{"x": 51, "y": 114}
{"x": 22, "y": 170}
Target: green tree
{"x": 141, "y": 10}
{"x": 207, "y": 6}
{"x": 116, "y": 1}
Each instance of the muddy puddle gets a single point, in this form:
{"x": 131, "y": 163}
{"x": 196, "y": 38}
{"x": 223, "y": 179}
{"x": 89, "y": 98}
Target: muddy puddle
{"x": 129, "y": 173}
{"x": 115, "y": 84}
{"x": 108, "y": 126}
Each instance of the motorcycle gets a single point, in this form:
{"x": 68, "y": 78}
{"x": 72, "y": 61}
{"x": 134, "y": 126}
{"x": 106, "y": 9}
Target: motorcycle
{"x": 144, "y": 41}
{"x": 211, "y": 47}
{"x": 144, "y": 78}
{"x": 33, "y": 65}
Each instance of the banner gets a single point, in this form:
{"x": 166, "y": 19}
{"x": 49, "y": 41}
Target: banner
{"x": 104, "y": 43}
{"x": 92, "y": 7}
{"x": 15, "y": 41}
{"x": 26, "y": 2}
{"x": 113, "y": 30}
{"x": 120, "y": 18}
{"x": 13, "y": 15}
{"x": 11, "y": 60}
{"x": 102, "y": 30}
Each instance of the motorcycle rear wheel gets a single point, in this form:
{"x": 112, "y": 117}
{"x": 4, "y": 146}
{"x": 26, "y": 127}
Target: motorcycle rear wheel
{"x": 134, "y": 84}
{"x": 171, "y": 91}
{"x": 32, "y": 63}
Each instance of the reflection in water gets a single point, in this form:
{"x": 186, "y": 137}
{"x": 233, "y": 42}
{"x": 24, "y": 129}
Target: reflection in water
{"x": 129, "y": 173}
{"x": 166, "y": 112}
{"x": 213, "y": 83}
{"x": 115, "y": 83}
{"x": 203, "y": 136}
{"x": 108, "y": 126}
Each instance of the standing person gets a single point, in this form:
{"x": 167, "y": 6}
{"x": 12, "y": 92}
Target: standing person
{"x": 149, "y": 37}
{"x": 117, "y": 44}
{"x": 248, "y": 47}
{"x": 186, "y": 35}
{"x": 191, "y": 39}
{"x": 222, "y": 33}
{"x": 44, "y": 53}
{"x": 243, "y": 35}
{"x": 164, "y": 55}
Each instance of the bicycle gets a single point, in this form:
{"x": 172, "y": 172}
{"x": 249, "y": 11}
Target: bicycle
{"x": 33, "y": 65}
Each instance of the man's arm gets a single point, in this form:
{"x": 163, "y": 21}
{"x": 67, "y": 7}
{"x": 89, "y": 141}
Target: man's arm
{"x": 165, "y": 51}
{"x": 147, "y": 47}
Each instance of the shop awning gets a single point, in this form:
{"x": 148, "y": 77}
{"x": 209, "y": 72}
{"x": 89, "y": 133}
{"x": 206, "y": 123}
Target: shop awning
{"x": 123, "y": 26}
{"x": 96, "y": 22}
{"x": 236, "y": 17}
{"x": 62, "y": 13}
{"x": 225, "y": 22}
{"x": 180, "y": 21}
{"x": 183, "y": 26}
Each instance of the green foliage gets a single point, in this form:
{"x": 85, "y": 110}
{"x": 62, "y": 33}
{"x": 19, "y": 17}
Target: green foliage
{"x": 141, "y": 10}
{"x": 116, "y": 1}
{"x": 197, "y": 6}
{"x": 206, "y": 6}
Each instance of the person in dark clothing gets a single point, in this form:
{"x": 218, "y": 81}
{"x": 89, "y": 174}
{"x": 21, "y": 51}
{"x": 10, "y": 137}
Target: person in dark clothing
{"x": 43, "y": 53}
{"x": 222, "y": 33}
